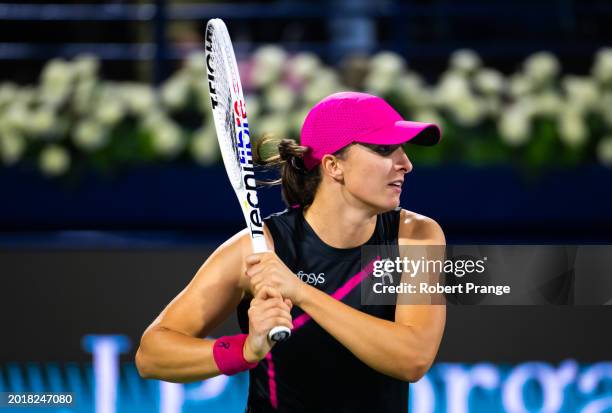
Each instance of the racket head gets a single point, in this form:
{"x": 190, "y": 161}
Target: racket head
{"x": 232, "y": 125}
{"x": 228, "y": 106}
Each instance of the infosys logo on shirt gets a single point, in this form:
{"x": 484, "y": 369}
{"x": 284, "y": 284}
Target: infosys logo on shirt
{"x": 311, "y": 277}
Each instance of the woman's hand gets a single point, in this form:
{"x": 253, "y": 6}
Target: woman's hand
{"x": 267, "y": 269}
{"x": 267, "y": 311}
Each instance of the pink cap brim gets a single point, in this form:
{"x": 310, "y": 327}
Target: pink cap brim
{"x": 403, "y": 131}
{"x": 418, "y": 133}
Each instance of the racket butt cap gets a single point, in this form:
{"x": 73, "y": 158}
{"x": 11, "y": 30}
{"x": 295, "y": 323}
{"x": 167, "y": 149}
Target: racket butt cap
{"x": 279, "y": 334}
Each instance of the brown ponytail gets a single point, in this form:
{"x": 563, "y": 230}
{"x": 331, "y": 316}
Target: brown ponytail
{"x": 298, "y": 184}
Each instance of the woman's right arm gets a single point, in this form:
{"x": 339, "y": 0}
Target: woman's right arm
{"x": 173, "y": 349}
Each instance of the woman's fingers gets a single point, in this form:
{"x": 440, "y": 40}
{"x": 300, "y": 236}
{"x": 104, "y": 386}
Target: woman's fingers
{"x": 266, "y": 291}
{"x": 275, "y": 314}
{"x": 253, "y": 271}
{"x": 253, "y": 259}
{"x": 267, "y": 310}
{"x": 272, "y": 303}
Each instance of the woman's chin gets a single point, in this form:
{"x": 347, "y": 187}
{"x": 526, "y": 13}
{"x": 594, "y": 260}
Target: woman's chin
{"x": 389, "y": 204}
{"x": 395, "y": 201}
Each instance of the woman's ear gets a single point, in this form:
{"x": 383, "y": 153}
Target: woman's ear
{"x": 332, "y": 167}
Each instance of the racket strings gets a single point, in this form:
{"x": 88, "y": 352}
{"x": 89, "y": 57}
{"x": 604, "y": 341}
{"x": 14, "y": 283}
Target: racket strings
{"x": 222, "y": 56}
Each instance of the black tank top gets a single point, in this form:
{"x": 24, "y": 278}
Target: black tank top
{"x": 312, "y": 372}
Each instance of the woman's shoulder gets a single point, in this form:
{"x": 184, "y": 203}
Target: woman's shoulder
{"x": 418, "y": 228}
{"x": 242, "y": 243}
{"x": 234, "y": 251}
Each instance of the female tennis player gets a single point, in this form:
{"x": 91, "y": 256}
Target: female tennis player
{"x": 342, "y": 186}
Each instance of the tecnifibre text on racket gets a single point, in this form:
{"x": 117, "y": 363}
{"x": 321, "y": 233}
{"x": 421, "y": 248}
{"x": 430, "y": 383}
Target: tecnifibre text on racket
{"x": 232, "y": 126}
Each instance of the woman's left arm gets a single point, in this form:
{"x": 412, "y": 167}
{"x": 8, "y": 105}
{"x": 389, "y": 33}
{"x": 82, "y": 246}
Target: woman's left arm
{"x": 404, "y": 348}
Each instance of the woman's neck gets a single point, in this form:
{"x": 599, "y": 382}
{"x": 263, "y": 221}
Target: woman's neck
{"x": 338, "y": 223}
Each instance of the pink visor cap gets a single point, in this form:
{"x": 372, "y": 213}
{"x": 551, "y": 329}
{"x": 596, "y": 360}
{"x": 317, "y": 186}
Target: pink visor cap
{"x": 346, "y": 117}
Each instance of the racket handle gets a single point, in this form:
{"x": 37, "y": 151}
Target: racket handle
{"x": 259, "y": 244}
{"x": 279, "y": 334}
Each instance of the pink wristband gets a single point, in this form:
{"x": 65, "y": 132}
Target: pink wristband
{"x": 227, "y": 352}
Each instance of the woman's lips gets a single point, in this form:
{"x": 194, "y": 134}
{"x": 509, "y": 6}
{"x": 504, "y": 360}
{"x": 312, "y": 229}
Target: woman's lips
{"x": 396, "y": 186}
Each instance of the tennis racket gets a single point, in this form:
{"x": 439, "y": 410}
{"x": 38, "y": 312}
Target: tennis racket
{"x": 232, "y": 126}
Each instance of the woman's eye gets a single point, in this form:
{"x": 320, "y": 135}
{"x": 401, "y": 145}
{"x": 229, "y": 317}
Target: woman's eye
{"x": 385, "y": 149}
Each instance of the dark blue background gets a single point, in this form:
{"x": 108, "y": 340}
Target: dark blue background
{"x": 472, "y": 204}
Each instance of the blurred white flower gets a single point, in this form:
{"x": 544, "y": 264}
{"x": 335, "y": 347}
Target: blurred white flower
{"x": 270, "y": 56}
{"x": 491, "y": 106}
{"x": 279, "y": 98}
{"x": 202, "y": 96}
{"x": 168, "y": 140}
{"x": 139, "y": 98}
{"x": 547, "y": 103}
{"x": 260, "y": 77}
{"x": 541, "y": 67}
{"x": 275, "y": 124}
{"x": 527, "y": 104}
{"x": 153, "y": 118}
{"x": 17, "y": 116}
{"x": 175, "y": 91}
{"x": 54, "y": 160}
{"x": 581, "y": 92}
{"x": 605, "y": 107}
{"x": 204, "y": 147}
{"x": 56, "y": 81}
{"x": 489, "y": 81}
{"x": 465, "y": 60}
{"x": 90, "y": 135}
{"x": 268, "y": 63}
{"x": 602, "y": 68}
{"x": 195, "y": 64}
{"x": 7, "y": 93}
{"x": 573, "y": 130}
{"x": 297, "y": 120}
{"x": 519, "y": 85}
{"x": 321, "y": 86}
{"x": 84, "y": 96}
{"x": 604, "y": 150}
{"x": 387, "y": 63}
{"x": 86, "y": 67}
{"x": 453, "y": 93}
{"x": 468, "y": 110}
{"x": 514, "y": 125}
{"x": 109, "y": 111}
{"x": 26, "y": 95}
{"x": 429, "y": 116}
{"x": 304, "y": 65}
{"x": 412, "y": 90}
{"x": 253, "y": 106}
{"x": 42, "y": 121}
{"x": 379, "y": 83}
{"x": 12, "y": 146}
{"x": 56, "y": 69}
{"x": 453, "y": 87}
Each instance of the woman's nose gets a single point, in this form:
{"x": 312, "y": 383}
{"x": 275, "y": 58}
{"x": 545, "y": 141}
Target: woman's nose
{"x": 403, "y": 163}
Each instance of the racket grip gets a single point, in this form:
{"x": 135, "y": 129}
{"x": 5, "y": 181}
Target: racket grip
{"x": 279, "y": 334}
